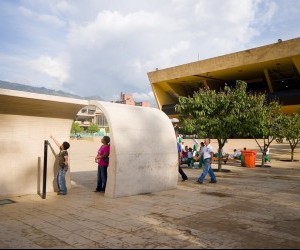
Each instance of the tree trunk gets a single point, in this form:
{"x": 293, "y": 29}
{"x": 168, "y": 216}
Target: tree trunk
{"x": 221, "y": 143}
{"x": 263, "y": 159}
{"x": 292, "y": 154}
{"x": 220, "y": 160}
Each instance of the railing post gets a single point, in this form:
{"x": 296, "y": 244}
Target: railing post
{"x": 45, "y": 169}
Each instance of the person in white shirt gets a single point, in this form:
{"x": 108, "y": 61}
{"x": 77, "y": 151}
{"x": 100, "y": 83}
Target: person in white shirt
{"x": 267, "y": 156}
{"x": 207, "y": 154}
{"x": 237, "y": 154}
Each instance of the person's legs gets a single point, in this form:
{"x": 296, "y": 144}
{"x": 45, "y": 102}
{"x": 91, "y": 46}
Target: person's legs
{"x": 189, "y": 162}
{"x": 267, "y": 158}
{"x": 99, "y": 180}
{"x": 183, "y": 175}
{"x": 103, "y": 171}
{"x": 192, "y": 163}
{"x": 205, "y": 170}
{"x": 201, "y": 162}
{"x": 61, "y": 181}
{"x": 212, "y": 175}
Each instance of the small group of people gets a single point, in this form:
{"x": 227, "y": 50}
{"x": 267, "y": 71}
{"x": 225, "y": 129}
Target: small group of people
{"x": 205, "y": 155}
{"x": 190, "y": 155}
{"x": 102, "y": 159}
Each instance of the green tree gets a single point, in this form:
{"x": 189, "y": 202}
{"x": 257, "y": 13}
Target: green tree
{"x": 291, "y": 131}
{"x": 264, "y": 122}
{"x": 76, "y": 128}
{"x": 93, "y": 128}
{"x": 220, "y": 115}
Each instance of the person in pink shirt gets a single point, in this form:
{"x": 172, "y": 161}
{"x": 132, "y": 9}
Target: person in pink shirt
{"x": 102, "y": 159}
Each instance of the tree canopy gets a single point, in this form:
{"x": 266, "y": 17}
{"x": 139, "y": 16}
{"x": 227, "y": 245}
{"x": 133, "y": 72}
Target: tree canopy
{"x": 233, "y": 112}
{"x": 291, "y": 131}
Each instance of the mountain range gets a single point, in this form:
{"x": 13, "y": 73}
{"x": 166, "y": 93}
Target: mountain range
{"x": 43, "y": 90}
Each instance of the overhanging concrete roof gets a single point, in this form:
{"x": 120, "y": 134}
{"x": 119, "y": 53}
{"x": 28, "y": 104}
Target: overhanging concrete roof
{"x": 269, "y": 68}
{"x": 243, "y": 64}
{"x": 31, "y": 104}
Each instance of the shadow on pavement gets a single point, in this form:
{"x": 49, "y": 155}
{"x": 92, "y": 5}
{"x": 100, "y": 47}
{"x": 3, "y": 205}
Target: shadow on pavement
{"x": 87, "y": 179}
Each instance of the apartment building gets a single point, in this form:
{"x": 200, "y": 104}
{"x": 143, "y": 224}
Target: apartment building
{"x": 129, "y": 100}
{"x": 91, "y": 114}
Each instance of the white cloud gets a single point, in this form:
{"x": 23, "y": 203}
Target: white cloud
{"x": 45, "y": 18}
{"x": 111, "y": 25}
{"x": 56, "y": 68}
{"x": 143, "y": 96}
{"x": 109, "y": 46}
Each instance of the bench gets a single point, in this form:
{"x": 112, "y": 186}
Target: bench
{"x": 224, "y": 159}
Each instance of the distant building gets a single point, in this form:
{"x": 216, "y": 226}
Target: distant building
{"x": 128, "y": 100}
{"x": 91, "y": 114}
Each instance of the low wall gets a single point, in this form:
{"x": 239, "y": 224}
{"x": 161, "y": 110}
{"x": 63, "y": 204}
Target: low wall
{"x": 26, "y": 121}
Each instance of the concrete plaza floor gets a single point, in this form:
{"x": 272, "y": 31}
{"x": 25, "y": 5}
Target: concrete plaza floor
{"x": 247, "y": 208}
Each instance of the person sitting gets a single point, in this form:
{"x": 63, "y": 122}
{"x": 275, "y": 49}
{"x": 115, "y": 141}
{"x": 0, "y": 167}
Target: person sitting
{"x": 224, "y": 156}
{"x": 190, "y": 158}
{"x": 184, "y": 158}
{"x": 198, "y": 154}
{"x": 237, "y": 154}
{"x": 267, "y": 156}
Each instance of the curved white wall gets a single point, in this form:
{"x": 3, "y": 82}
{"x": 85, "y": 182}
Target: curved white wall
{"x": 143, "y": 157}
{"x": 143, "y": 150}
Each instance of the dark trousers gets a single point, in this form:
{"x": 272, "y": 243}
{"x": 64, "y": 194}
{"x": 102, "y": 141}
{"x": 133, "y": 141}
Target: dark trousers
{"x": 102, "y": 178}
{"x": 183, "y": 175}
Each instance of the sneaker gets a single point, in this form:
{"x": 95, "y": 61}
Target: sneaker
{"x": 213, "y": 182}
{"x": 184, "y": 179}
{"x": 61, "y": 193}
{"x": 198, "y": 182}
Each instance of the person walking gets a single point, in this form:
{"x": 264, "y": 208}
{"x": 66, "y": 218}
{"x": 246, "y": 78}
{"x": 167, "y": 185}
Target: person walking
{"x": 200, "y": 155}
{"x": 179, "y": 150}
{"x": 63, "y": 162}
{"x": 102, "y": 159}
{"x": 207, "y": 154}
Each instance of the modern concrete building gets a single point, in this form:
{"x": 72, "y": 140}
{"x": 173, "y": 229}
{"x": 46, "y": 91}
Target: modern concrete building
{"x": 128, "y": 100}
{"x": 274, "y": 69}
{"x": 27, "y": 120}
{"x": 91, "y": 114}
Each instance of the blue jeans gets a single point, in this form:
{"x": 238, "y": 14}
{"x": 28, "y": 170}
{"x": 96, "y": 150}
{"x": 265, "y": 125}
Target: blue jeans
{"x": 61, "y": 180}
{"x": 102, "y": 178}
{"x": 207, "y": 170}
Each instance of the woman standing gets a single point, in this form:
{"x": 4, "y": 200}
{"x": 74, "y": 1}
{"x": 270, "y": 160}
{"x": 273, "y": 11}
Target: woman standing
{"x": 102, "y": 159}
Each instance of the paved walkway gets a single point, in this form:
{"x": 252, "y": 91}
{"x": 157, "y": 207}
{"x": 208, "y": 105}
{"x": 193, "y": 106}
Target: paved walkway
{"x": 248, "y": 208}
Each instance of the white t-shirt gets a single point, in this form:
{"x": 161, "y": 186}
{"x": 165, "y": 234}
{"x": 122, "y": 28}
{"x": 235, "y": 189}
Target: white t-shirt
{"x": 207, "y": 150}
{"x": 237, "y": 154}
{"x": 190, "y": 154}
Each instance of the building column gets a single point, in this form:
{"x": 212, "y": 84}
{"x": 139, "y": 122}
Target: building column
{"x": 269, "y": 80}
{"x": 296, "y": 61}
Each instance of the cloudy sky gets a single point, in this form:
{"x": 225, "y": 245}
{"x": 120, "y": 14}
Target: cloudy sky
{"x": 104, "y": 47}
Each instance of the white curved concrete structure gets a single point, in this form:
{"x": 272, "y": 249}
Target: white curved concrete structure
{"x": 143, "y": 150}
{"x": 143, "y": 157}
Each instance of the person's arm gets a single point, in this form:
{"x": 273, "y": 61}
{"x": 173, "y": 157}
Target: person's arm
{"x": 200, "y": 155}
{"x": 211, "y": 155}
{"x": 56, "y": 142}
{"x": 66, "y": 160}
{"x": 103, "y": 155}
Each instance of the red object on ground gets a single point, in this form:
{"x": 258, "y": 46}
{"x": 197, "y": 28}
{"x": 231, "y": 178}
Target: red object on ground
{"x": 249, "y": 158}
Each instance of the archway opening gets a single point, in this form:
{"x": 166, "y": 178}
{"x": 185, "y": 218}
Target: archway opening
{"x": 89, "y": 127}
